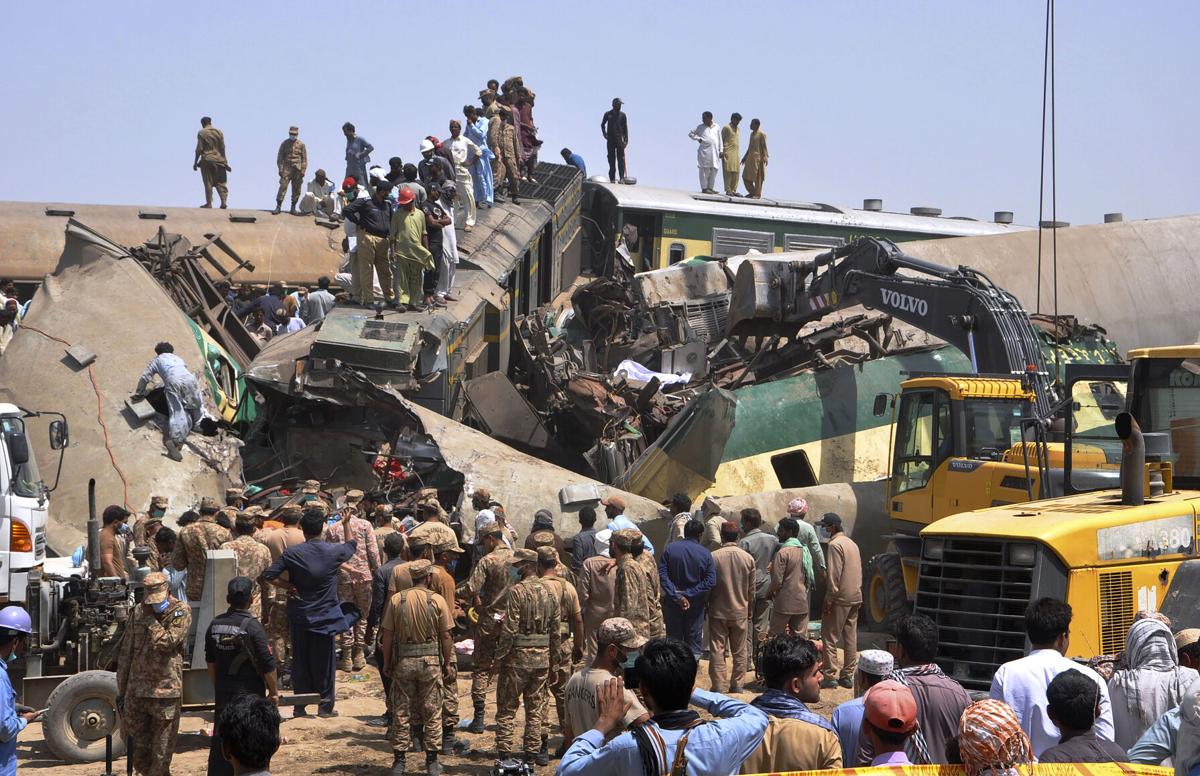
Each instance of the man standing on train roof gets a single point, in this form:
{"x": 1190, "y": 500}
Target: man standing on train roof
{"x": 708, "y": 137}
{"x": 729, "y": 154}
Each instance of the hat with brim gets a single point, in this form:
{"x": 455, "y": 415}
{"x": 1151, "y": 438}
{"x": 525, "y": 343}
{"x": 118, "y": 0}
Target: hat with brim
{"x": 154, "y": 588}
{"x": 522, "y": 556}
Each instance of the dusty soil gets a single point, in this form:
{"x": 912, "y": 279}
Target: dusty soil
{"x": 344, "y": 744}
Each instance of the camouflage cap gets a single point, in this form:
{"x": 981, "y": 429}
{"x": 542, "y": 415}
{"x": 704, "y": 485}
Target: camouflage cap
{"x": 626, "y": 538}
{"x": 208, "y": 503}
{"x": 253, "y": 511}
{"x": 383, "y": 509}
{"x": 354, "y": 496}
{"x": 522, "y": 556}
{"x": 154, "y": 587}
{"x": 547, "y": 554}
{"x": 449, "y": 547}
{"x": 490, "y": 528}
{"x": 310, "y": 486}
{"x": 158, "y": 502}
{"x": 234, "y": 493}
{"x": 482, "y": 494}
{"x": 619, "y": 631}
{"x": 418, "y": 568}
{"x": 542, "y": 539}
{"x": 287, "y": 509}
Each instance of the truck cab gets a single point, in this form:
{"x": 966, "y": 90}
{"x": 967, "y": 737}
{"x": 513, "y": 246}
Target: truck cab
{"x": 1109, "y": 552}
{"x": 24, "y": 501}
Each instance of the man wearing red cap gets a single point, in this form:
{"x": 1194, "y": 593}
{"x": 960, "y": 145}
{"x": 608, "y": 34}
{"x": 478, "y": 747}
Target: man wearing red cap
{"x": 409, "y": 239}
{"x": 889, "y": 718}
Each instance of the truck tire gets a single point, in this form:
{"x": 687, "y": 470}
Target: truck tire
{"x": 885, "y": 598}
{"x": 81, "y": 712}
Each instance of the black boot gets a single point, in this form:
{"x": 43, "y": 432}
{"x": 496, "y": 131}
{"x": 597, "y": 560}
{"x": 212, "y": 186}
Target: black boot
{"x": 451, "y": 744}
{"x": 476, "y": 725}
{"x": 432, "y": 766}
{"x": 293, "y": 210}
{"x": 278, "y": 207}
{"x": 398, "y": 764}
{"x": 542, "y": 758}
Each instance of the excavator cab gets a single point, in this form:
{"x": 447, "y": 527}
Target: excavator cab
{"x": 960, "y": 444}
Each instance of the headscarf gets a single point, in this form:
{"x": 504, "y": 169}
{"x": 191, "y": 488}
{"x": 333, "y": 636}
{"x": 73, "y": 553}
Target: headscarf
{"x": 1187, "y": 744}
{"x": 990, "y": 739}
{"x": 543, "y": 520}
{"x": 1149, "y": 651}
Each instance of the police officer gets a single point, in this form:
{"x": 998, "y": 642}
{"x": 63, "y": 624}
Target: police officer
{"x": 529, "y": 635}
{"x": 418, "y": 655}
{"x": 486, "y": 590}
{"x": 239, "y": 661}
{"x": 150, "y": 676}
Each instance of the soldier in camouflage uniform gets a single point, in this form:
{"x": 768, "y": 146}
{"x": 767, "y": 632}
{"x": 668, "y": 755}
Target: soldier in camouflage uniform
{"x": 354, "y": 580}
{"x": 192, "y": 546}
{"x": 545, "y": 538}
{"x": 147, "y": 525}
{"x": 486, "y": 589}
{"x": 570, "y": 645}
{"x": 508, "y": 152}
{"x": 654, "y": 596}
{"x": 292, "y": 162}
{"x": 252, "y": 559}
{"x": 418, "y": 655}
{"x": 529, "y": 635}
{"x": 150, "y": 676}
{"x": 634, "y": 588}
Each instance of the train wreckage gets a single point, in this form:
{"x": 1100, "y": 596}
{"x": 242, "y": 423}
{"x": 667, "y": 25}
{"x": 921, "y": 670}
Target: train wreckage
{"x": 713, "y": 376}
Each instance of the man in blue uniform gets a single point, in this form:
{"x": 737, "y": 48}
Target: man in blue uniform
{"x": 15, "y": 627}
{"x": 313, "y": 609}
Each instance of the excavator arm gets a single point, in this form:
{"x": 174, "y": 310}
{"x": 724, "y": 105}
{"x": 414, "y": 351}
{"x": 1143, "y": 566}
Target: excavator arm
{"x": 960, "y": 306}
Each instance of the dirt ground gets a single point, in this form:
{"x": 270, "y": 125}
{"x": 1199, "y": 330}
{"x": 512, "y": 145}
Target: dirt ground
{"x": 341, "y": 745}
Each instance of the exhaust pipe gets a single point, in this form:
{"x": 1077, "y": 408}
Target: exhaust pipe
{"x": 1133, "y": 461}
{"x": 93, "y": 532}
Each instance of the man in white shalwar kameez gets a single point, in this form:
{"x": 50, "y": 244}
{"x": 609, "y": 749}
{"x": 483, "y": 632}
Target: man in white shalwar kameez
{"x": 708, "y": 154}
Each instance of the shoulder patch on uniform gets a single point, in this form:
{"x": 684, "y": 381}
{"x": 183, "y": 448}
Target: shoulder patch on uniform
{"x": 178, "y": 612}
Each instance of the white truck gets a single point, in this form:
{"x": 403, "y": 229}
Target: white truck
{"x": 24, "y": 499}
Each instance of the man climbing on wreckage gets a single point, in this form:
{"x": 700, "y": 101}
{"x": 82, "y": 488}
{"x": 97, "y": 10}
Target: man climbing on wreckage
{"x": 182, "y": 389}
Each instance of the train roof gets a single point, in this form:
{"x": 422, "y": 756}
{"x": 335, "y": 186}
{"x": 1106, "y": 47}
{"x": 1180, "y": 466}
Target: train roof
{"x": 637, "y": 197}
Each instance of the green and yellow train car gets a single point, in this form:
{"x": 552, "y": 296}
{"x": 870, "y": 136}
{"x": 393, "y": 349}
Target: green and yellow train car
{"x": 673, "y": 225}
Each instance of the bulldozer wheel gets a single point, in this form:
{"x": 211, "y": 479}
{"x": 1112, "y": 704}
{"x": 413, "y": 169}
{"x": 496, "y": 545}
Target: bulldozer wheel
{"x": 886, "y": 599}
{"x": 81, "y": 712}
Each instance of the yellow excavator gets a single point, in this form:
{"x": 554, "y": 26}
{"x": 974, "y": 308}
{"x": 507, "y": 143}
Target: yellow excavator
{"x": 1108, "y": 551}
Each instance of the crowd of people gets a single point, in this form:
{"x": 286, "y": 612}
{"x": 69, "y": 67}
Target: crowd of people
{"x": 607, "y": 630}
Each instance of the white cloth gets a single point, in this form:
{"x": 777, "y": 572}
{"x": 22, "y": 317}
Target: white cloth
{"x": 635, "y": 371}
{"x": 709, "y": 152}
{"x": 708, "y": 178}
{"x": 1022, "y": 684}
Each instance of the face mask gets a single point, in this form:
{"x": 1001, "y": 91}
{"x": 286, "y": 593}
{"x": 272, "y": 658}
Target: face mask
{"x": 161, "y": 606}
{"x": 451, "y": 565}
{"x": 124, "y": 529}
{"x": 157, "y": 513}
{"x": 630, "y": 660}
{"x": 11, "y": 658}
{"x": 514, "y": 575}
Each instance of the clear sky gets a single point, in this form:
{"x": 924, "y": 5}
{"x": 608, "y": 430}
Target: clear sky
{"x": 920, "y": 103}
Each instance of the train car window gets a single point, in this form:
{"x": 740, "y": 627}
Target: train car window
{"x": 793, "y": 470}
{"x": 677, "y": 253}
